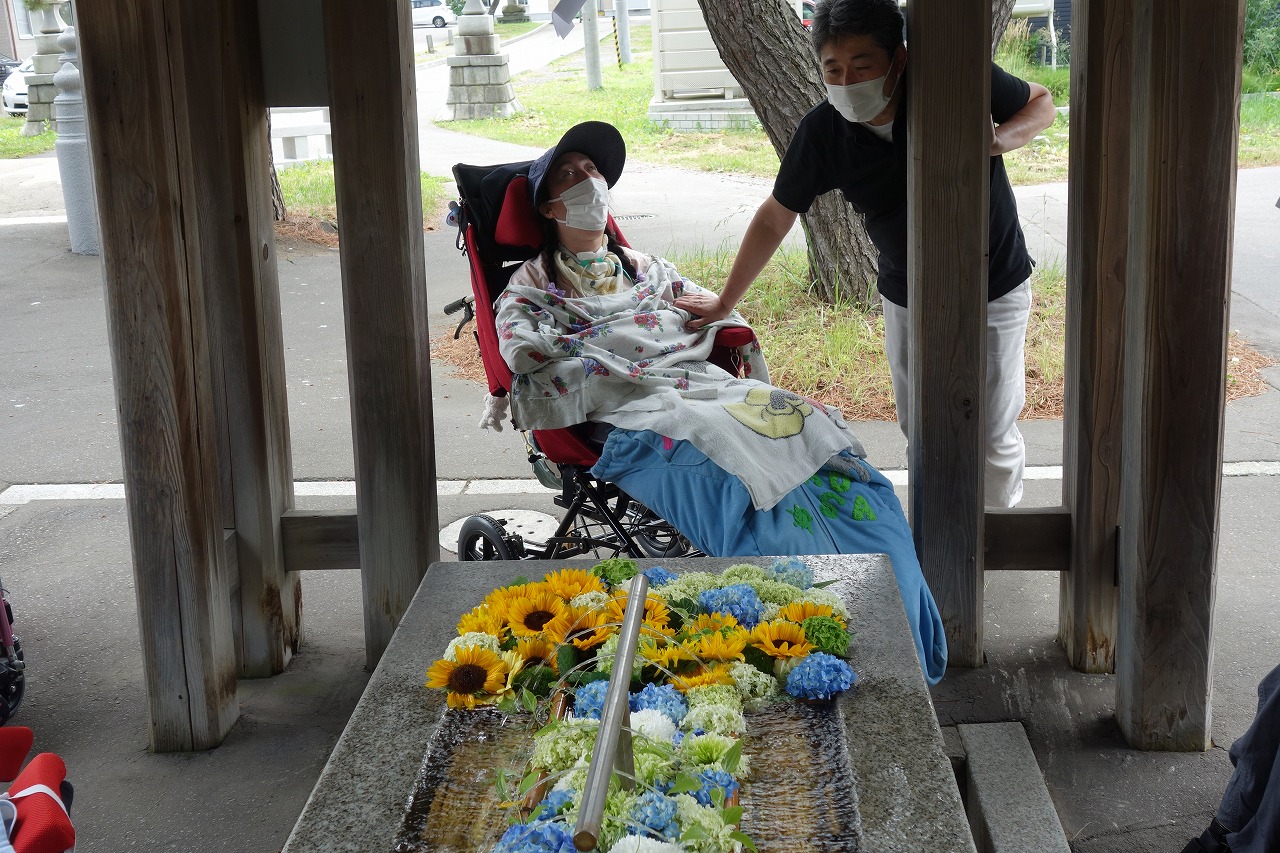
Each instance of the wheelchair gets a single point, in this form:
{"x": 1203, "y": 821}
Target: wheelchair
{"x": 497, "y": 231}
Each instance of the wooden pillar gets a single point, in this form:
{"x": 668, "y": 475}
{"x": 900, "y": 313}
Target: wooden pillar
{"x": 1186, "y": 98}
{"x": 1097, "y": 252}
{"x": 246, "y": 309}
{"x": 140, "y": 98}
{"x": 948, "y": 185}
{"x": 375, "y": 153}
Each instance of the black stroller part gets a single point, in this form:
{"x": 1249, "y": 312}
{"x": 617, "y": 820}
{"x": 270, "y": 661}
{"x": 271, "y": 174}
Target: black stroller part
{"x": 483, "y": 190}
{"x": 13, "y": 682}
{"x": 484, "y": 538}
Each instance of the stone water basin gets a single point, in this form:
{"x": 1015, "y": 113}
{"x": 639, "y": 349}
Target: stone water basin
{"x": 867, "y": 773}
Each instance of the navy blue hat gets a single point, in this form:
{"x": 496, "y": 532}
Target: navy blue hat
{"x": 598, "y": 140}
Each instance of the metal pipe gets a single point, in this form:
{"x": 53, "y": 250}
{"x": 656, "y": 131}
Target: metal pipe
{"x": 613, "y": 740}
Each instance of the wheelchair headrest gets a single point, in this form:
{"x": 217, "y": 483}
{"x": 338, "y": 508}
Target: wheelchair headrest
{"x": 517, "y": 224}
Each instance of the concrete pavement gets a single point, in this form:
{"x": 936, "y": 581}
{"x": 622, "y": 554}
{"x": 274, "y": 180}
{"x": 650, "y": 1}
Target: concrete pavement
{"x": 68, "y": 567}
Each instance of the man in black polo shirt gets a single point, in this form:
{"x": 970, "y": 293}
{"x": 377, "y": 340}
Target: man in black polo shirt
{"x": 856, "y": 141}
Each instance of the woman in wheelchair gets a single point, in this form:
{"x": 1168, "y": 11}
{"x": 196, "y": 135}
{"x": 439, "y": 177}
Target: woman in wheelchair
{"x": 591, "y": 333}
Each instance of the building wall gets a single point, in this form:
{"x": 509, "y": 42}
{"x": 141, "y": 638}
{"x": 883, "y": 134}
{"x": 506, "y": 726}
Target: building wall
{"x": 17, "y": 29}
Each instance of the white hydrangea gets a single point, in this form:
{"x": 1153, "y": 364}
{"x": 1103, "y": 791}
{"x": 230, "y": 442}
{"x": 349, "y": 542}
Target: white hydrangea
{"x": 755, "y": 687}
{"x": 590, "y": 600}
{"x": 771, "y": 611}
{"x": 821, "y": 596}
{"x": 472, "y": 639}
{"x": 637, "y": 844}
{"x": 654, "y": 725}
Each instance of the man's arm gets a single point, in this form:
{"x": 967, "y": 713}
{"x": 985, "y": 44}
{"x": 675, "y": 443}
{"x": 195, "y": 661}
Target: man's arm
{"x": 764, "y": 235}
{"x": 1022, "y": 126}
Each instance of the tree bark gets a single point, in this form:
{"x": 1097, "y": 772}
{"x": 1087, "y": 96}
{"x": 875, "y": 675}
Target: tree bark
{"x": 1001, "y": 14}
{"x": 767, "y": 50}
{"x": 278, "y": 212}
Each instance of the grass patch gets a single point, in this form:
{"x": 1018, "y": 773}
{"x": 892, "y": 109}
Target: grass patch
{"x": 13, "y": 144}
{"x": 557, "y": 97}
{"x": 1259, "y": 132}
{"x": 309, "y": 191}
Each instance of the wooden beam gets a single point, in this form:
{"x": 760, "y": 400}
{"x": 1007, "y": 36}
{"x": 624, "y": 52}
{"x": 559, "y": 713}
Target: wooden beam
{"x": 375, "y": 154}
{"x": 137, "y": 91}
{"x": 246, "y": 312}
{"x": 1097, "y": 253}
{"x": 1027, "y": 539}
{"x": 1186, "y": 100}
{"x": 320, "y": 539}
{"x": 948, "y": 184}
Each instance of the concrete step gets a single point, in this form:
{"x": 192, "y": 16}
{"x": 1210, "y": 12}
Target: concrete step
{"x": 1003, "y": 790}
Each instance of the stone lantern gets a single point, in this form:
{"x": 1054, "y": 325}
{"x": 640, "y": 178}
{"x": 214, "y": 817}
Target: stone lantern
{"x": 479, "y": 76}
{"x": 47, "y": 59}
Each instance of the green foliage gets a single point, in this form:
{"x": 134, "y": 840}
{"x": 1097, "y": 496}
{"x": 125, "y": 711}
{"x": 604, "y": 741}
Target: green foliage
{"x": 13, "y": 144}
{"x": 537, "y": 679}
{"x": 456, "y": 5}
{"x": 309, "y": 190}
{"x": 1262, "y": 40}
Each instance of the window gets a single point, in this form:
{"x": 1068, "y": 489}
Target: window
{"x": 26, "y": 27}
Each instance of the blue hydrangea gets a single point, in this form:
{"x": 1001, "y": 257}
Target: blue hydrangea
{"x": 554, "y": 803}
{"x": 711, "y": 780}
{"x": 655, "y": 814}
{"x": 739, "y": 601}
{"x": 588, "y": 700}
{"x": 658, "y": 576}
{"x": 664, "y": 698}
{"x": 536, "y": 838}
{"x": 792, "y": 570}
{"x": 820, "y": 676}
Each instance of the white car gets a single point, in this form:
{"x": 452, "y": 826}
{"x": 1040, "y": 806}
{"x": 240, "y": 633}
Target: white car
{"x": 432, "y": 13}
{"x": 13, "y": 95}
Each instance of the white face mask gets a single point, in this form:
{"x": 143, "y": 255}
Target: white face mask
{"x": 861, "y": 101}
{"x": 586, "y": 205}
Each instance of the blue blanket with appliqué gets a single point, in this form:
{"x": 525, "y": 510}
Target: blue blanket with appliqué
{"x": 830, "y": 513}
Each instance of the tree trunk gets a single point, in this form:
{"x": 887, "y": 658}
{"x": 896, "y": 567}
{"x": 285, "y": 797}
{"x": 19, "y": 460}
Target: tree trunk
{"x": 493, "y": 7}
{"x": 277, "y": 194}
{"x": 767, "y": 50}
{"x": 1001, "y": 14}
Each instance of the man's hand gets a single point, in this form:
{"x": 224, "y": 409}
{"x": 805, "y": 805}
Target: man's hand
{"x": 707, "y": 306}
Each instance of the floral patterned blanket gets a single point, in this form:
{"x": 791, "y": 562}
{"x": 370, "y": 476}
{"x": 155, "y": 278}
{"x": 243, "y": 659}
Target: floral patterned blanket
{"x": 627, "y": 359}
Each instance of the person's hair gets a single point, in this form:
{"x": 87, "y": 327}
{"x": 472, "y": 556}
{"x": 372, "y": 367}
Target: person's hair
{"x": 880, "y": 19}
{"x": 551, "y": 239}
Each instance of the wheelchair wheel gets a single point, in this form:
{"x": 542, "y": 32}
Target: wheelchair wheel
{"x": 13, "y": 684}
{"x": 482, "y": 539}
{"x": 655, "y": 537}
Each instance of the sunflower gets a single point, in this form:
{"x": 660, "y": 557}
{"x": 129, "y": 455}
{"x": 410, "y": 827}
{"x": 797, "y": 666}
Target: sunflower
{"x": 537, "y": 650}
{"x": 476, "y": 671}
{"x": 483, "y": 620}
{"x": 798, "y": 611}
{"x": 665, "y": 657}
{"x": 710, "y": 622}
{"x": 588, "y": 627}
{"x": 656, "y": 615}
{"x": 569, "y": 583}
{"x": 715, "y": 646}
{"x": 540, "y": 612}
{"x": 702, "y": 677}
{"x": 501, "y": 599}
{"x": 780, "y": 639}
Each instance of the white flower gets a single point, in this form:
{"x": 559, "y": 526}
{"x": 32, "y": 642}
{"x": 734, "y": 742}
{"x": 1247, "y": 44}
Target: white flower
{"x": 654, "y": 725}
{"x": 472, "y": 639}
{"x": 636, "y": 844}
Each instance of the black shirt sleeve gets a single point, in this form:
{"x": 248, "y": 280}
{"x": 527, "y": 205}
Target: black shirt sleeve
{"x": 1008, "y": 94}
{"x": 805, "y": 174}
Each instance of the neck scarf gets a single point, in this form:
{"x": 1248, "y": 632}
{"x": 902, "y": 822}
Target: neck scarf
{"x": 591, "y": 276}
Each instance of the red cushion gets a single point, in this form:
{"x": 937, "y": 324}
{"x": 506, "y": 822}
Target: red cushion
{"x": 15, "y": 743}
{"x": 42, "y": 825}
{"x": 517, "y": 225}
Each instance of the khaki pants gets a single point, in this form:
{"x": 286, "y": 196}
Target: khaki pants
{"x": 1006, "y": 454}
